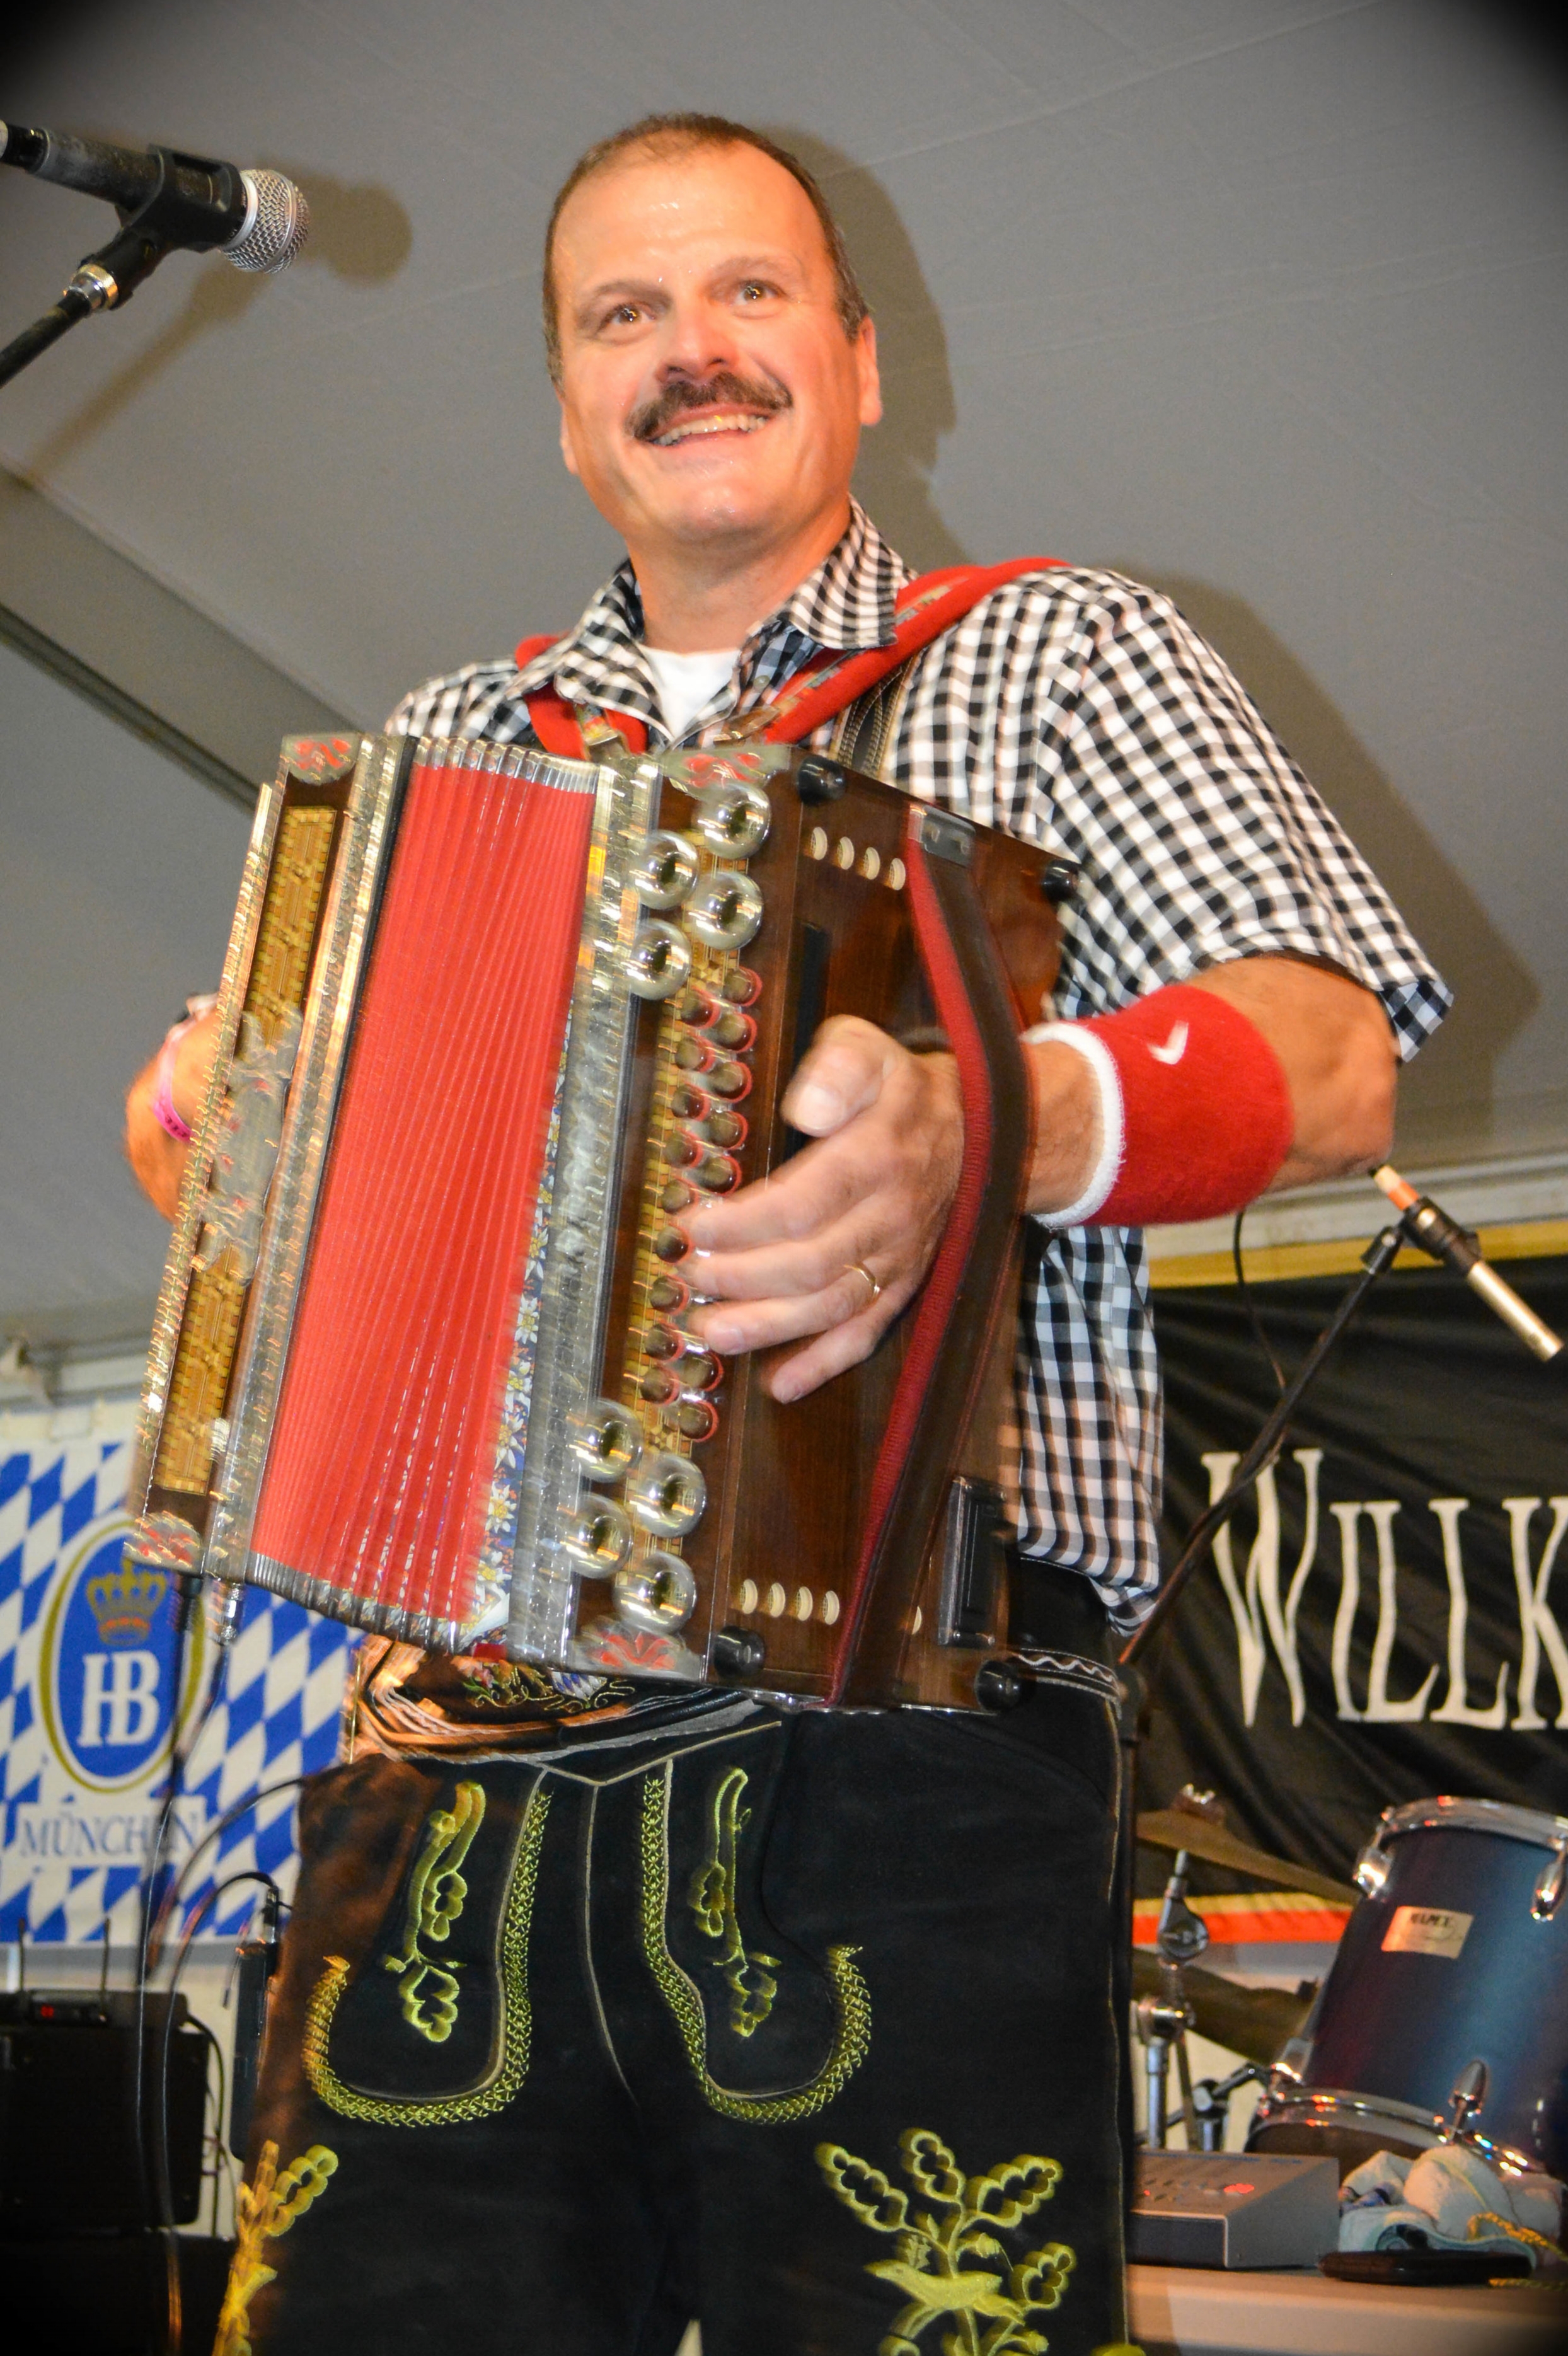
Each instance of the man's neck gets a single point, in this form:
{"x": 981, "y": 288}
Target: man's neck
{"x": 695, "y": 600}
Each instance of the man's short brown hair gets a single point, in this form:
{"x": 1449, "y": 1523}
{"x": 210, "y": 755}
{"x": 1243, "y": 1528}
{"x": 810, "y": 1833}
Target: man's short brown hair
{"x": 676, "y": 134}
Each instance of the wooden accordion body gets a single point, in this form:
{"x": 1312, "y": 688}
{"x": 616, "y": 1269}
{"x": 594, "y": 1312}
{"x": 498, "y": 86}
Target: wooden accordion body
{"x": 489, "y": 1018}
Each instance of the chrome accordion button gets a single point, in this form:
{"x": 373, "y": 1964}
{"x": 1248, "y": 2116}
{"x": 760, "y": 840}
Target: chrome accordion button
{"x": 595, "y": 1537}
{"x": 659, "y": 960}
{"x": 724, "y": 910}
{"x": 606, "y": 1440}
{"x": 666, "y": 1494}
{"x": 658, "y": 1593}
{"x": 733, "y": 819}
{"x": 664, "y": 871}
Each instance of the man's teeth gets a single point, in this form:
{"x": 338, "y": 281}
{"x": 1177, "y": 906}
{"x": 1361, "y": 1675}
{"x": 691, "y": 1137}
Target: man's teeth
{"x": 691, "y": 427}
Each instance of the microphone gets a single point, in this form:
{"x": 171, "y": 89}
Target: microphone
{"x": 1443, "y": 1238}
{"x": 259, "y": 220}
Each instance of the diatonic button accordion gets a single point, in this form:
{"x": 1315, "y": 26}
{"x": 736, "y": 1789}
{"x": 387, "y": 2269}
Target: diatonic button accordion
{"x": 490, "y": 1020}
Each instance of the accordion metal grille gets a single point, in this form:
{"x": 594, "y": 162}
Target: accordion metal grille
{"x": 379, "y": 1476}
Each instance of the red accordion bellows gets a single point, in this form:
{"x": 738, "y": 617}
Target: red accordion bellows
{"x": 378, "y": 1471}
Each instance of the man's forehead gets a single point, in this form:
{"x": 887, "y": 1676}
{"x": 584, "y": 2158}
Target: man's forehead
{"x": 733, "y": 198}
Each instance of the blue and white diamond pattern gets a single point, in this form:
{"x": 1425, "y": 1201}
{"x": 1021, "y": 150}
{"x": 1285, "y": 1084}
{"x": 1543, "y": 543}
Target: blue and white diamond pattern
{"x": 61, "y": 1874}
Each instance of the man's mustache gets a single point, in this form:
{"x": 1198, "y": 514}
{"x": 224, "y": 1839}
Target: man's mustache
{"x": 683, "y": 397}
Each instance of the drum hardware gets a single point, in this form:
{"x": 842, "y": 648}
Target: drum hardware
{"x": 1257, "y": 2022}
{"x": 1164, "y": 2018}
{"x": 1468, "y": 2095}
{"x": 1209, "y": 2105}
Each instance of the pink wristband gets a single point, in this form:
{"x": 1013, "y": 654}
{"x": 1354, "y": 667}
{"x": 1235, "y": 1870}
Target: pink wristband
{"x": 163, "y": 1111}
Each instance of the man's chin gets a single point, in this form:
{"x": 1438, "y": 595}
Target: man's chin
{"x": 717, "y": 511}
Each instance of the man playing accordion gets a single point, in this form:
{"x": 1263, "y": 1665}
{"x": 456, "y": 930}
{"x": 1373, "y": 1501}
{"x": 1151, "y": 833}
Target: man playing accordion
{"x": 812, "y": 2017}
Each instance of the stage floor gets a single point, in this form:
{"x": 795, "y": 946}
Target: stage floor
{"x": 1191, "y": 2311}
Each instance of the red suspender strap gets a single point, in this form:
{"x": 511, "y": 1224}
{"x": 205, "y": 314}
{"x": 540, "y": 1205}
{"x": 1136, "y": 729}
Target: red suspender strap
{"x": 973, "y": 1279}
{"x": 555, "y": 721}
{"x": 925, "y": 608}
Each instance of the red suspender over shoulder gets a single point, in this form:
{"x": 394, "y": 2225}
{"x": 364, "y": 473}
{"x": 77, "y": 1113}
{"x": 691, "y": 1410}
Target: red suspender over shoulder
{"x": 926, "y": 607}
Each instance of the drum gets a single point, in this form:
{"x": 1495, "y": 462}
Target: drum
{"x": 1447, "y": 2000}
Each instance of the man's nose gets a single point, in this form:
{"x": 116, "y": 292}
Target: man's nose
{"x": 698, "y": 341}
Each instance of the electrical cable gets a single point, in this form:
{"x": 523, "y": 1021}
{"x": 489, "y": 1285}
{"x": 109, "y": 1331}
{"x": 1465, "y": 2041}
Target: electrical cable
{"x": 1249, "y": 1303}
{"x": 174, "y": 2333}
{"x": 186, "y": 1591}
{"x": 219, "y": 2153}
{"x": 230, "y": 1815}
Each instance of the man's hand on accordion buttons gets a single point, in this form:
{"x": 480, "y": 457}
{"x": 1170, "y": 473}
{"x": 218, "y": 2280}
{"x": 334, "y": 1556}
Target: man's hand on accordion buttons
{"x": 834, "y": 1243}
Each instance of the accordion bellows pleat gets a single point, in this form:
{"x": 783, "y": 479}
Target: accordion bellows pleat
{"x": 405, "y": 1323}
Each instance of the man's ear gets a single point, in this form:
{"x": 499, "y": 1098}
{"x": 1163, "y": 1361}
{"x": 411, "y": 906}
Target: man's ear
{"x": 569, "y": 455}
{"x": 871, "y": 377}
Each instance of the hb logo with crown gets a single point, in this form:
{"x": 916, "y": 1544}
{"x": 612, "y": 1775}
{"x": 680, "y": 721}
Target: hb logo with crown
{"x": 124, "y": 1603}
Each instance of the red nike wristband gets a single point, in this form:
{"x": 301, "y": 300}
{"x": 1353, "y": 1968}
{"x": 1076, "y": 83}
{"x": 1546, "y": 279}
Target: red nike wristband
{"x": 1196, "y": 1116}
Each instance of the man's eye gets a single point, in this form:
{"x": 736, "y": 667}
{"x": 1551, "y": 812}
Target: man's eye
{"x": 625, "y": 315}
{"x": 754, "y": 290}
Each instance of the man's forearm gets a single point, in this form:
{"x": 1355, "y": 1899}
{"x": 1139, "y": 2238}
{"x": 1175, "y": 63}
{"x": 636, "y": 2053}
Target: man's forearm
{"x": 1333, "y": 1046}
{"x": 1336, "y": 1049}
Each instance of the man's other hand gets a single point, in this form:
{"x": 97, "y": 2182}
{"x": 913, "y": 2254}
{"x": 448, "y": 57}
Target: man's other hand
{"x": 834, "y": 1243}
{"x": 157, "y": 1159}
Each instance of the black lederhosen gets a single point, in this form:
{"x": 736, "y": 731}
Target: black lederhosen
{"x": 804, "y": 2026}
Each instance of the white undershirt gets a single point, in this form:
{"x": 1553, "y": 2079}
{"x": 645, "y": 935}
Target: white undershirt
{"x": 686, "y": 682}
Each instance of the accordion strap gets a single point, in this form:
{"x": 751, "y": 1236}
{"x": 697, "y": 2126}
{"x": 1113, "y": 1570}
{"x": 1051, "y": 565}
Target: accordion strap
{"x": 819, "y": 691}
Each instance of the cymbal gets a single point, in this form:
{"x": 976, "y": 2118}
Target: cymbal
{"x": 1255, "y": 2022}
{"x": 1174, "y": 1828}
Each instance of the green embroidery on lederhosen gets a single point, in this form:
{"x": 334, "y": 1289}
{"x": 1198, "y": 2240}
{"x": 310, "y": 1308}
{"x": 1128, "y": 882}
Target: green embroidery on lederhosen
{"x": 852, "y": 2005}
{"x": 711, "y": 1898}
{"x": 437, "y": 1894}
{"x": 511, "y": 2063}
{"x": 264, "y": 2210}
{"x": 941, "y": 2250}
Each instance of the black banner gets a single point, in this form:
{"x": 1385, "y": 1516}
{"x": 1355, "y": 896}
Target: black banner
{"x": 1388, "y": 1618}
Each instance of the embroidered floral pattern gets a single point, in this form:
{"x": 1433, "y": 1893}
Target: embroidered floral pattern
{"x": 852, "y": 2033}
{"x": 264, "y": 2210}
{"x": 437, "y": 1895}
{"x": 509, "y": 2065}
{"x": 948, "y": 2260}
{"x": 712, "y": 1897}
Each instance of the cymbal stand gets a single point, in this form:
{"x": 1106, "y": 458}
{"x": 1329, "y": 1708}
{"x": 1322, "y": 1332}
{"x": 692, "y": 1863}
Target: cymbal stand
{"x": 1163, "y": 2021}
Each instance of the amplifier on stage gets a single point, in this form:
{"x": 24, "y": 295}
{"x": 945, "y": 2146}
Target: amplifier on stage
{"x": 68, "y": 2081}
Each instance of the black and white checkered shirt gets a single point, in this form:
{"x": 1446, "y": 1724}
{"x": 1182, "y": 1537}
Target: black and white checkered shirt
{"x": 1079, "y": 710}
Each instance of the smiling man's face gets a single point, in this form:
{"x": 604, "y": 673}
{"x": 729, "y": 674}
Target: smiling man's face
{"x": 711, "y": 401}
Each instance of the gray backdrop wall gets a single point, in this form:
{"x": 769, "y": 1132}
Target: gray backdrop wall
{"x": 1263, "y": 300}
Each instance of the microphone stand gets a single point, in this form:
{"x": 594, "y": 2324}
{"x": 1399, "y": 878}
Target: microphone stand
{"x": 1433, "y": 1232}
{"x": 110, "y": 275}
{"x": 1376, "y": 1261}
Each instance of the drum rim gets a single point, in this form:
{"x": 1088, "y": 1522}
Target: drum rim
{"x": 1504, "y": 1818}
{"x": 1293, "y": 2103}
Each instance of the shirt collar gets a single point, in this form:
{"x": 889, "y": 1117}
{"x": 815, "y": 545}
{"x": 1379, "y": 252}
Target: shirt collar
{"x": 847, "y": 604}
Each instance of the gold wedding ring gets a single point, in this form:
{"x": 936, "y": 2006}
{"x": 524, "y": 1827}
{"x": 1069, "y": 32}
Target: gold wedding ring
{"x": 855, "y": 1269}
